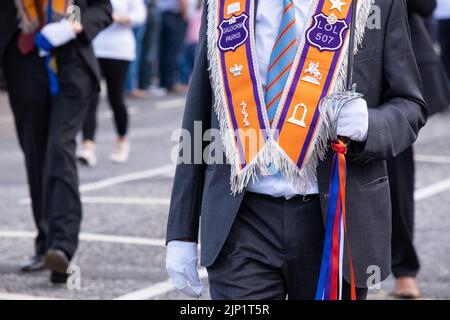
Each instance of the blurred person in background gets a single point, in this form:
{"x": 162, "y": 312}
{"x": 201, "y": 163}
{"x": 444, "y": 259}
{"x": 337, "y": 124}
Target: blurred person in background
{"x": 115, "y": 48}
{"x": 191, "y": 42}
{"x": 49, "y": 105}
{"x": 173, "y": 31}
{"x": 442, "y": 14}
{"x": 130, "y": 85}
{"x": 150, "y": 51}
{"x": 405, "y": 262}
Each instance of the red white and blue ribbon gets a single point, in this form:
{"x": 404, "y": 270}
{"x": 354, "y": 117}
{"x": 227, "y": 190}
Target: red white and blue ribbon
{"x": 331, "y": 273}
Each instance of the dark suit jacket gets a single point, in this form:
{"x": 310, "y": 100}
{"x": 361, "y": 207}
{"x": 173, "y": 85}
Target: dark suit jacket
{"x": 95, "y": 16}
{"x": 8, "y": 24}
{"x": 386, "y": 72}
{"x": 432, "y": 72}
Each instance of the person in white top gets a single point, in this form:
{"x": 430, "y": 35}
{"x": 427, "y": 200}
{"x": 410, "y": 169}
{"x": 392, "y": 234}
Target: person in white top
{"x": 115, "y": 48}
{"x": 442, "y": 14}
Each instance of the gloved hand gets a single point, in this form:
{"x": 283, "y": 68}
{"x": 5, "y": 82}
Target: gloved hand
{"x": 54, "y": 35}
{"x": 353, "y": 121}
{"x": 181, "y": 264}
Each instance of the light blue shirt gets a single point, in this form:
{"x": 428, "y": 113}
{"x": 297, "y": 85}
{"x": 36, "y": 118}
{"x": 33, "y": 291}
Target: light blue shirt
{"x": 169, "y": 5}
{"x": 268, "y": 20}
{"x": 443, "y": 10}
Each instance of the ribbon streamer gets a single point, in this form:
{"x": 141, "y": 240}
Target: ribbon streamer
{"x": 336, "y": 232}
{"x": 331, "y": 274}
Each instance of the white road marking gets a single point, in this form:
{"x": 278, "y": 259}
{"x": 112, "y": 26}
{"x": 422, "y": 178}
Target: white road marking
{"x": 432, "y": 190}
{"x": 127, "y": 201}
{"x": 167, "y": 170}
{"x": 92, "y": 237}
{"x": 108, "y": 114}
{"x": 117, "y": 200}
{"x": 170, "y": 104}
{"x": 114, "y": 181}
{"x": 155, "y": 290}
{"x": 13, "y": 296}
{"x": 6, "y": 120}
{"x": 432, "y": 158}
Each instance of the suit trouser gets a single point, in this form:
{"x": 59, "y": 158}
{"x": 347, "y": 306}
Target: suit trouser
{"x": 405, "y": 262}
{"x": 47, "y": 127}
{"x": 274, "y": 250}
{"x": 69, "y": 108}
{"x": 27, "y": 85}
{"x": 173, "y": 30}
{"x": 444, "y": 40}
{"x": 150, "y": 48}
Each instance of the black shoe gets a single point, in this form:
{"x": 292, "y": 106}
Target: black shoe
{"x": 57, "y": 277}
{"x": 36, "y": 263}
{"x": 57, "y": 261}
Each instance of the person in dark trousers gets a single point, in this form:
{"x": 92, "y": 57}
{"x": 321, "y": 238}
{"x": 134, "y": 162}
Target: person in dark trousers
{"x": 442, "y": 14}
{"x": 405, "y": 261}
{"x": 150, "y": 47}
{"x": 262, "y": 239}
{"x": 49, "y": 108}
{"x": 173, "y": 30}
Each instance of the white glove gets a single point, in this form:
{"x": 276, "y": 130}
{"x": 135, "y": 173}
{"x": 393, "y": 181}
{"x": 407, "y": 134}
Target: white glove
{"x": 181, "y": 265}
{"x": 58, "y": 33}
{"x": 353, "y": 121}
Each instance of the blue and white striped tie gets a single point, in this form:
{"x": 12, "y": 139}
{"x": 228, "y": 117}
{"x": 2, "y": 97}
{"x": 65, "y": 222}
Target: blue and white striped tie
{"x": 282, "y": 58}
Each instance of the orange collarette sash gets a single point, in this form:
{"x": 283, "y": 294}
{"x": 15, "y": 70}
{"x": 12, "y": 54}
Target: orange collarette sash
{"x": 297, "y": 139}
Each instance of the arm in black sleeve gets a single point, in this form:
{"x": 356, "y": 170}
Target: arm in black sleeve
{"x": 187, "y": 192}
{"x": 96, "y": 17}
{"x": 423, "y": 8}
{"x": 395, "y": 124}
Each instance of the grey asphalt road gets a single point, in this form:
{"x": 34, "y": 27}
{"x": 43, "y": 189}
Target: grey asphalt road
{"x": 121, "y": 254}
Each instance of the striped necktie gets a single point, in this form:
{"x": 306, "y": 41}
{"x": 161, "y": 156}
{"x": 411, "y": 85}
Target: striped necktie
{"x": 281, "y": 60}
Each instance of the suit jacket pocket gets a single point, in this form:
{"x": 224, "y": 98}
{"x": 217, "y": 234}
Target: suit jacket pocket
{"x": 375, "y": 183}
{"x": 365, "y": 54}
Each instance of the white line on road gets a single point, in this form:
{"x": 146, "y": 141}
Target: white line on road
{"x": 155, "y": 290}
{"x": 92, "y": 237}
{"x": 166, "y": 170}
{"x": 432, "y": 158}
{"x": 108, "y": 114}
{"x": 13, "y": 296}
{"x": 6, "y": 120}
{"x": 127, "y": 201}
{"x": 430, "y": 191}
{"x": 116, "y": 200}
{"x": 170, "y": 104}
{"x": 140, "y": 175}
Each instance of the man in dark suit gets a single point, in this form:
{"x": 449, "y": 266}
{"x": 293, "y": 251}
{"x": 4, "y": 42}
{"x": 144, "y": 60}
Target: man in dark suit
{"x": 442, "y": 15}
{"x": 259, "y": 246}
{"x": 47, "y": 123}
{"x": 401, "y": 169}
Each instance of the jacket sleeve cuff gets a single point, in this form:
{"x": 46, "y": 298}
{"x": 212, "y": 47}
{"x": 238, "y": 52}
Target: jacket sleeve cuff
{"x": 371, "y": 148}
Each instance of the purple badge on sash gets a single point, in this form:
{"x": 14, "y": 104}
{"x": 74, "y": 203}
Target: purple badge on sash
{"x": 233, "y": 32}
{"x": 327, "y": 33}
